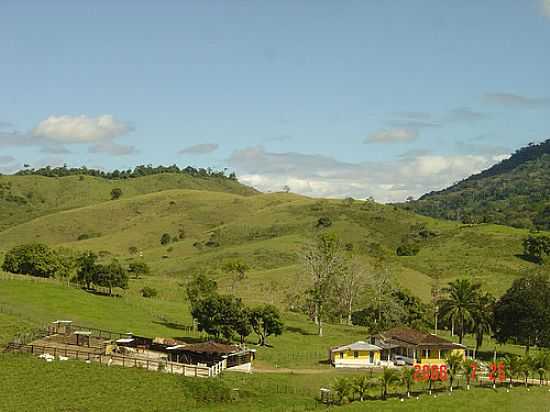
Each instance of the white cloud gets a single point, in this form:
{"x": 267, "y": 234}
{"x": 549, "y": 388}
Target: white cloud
{"x": 514, "y": 100}
{"x": 396, "y": 135}
{"x": 322, "y": 176}
{"x": 80, "y": 129}
{"x": 53, "y": 134}
{"x": 200, "y": 149}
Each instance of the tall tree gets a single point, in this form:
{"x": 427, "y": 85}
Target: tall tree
{"x": 113, "y": 275}
{"x": 87, "y": 268}
{"x": 266, "y": 321}
{"x": 522, "y": 314}
{"x": 460, "y": 303}
{"x": 198, "y": 288}
{"x": 238, "y": 269}
{"x": 483, "y": 318}
{"x": 348, "y": 286}
{"x": 324, "y": 262}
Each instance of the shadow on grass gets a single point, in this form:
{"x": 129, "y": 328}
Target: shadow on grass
{"x": 528, "y": 258}
{"x": 174, "y": 325}
{"x": 301, "y": 331}
{"x": 101, "y": 293}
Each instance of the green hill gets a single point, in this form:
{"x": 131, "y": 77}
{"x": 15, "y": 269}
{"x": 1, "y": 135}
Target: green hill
{"x": 25, "y": 197}
{"x": 268, "y": 231}
{"x": 514, "y": 192}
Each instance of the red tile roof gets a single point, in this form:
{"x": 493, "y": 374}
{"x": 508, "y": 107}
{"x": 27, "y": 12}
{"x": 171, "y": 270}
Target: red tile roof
{"x": 415, "y": 337}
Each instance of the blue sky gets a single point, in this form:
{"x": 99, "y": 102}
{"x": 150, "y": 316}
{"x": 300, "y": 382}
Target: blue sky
{"x": 333, "y": 98}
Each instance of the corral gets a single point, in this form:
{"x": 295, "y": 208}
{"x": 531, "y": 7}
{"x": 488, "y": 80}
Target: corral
{"x": 65, "y": 340}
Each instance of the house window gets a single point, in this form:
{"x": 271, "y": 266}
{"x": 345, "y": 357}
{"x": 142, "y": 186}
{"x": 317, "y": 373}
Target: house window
{"x": 355, "y": 354}
{"x": 341, "y": 355}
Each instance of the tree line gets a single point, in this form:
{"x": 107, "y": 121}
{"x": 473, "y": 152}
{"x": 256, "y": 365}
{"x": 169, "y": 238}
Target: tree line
{"x": 138, "y": 171}
{"x": 39, "y": 260}
{"x": 225, "y": 316}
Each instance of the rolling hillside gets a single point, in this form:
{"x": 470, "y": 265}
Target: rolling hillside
{"x": 26, "y": 197}
{"x": 514, "y": 192}
{"x": 225, "y": 220}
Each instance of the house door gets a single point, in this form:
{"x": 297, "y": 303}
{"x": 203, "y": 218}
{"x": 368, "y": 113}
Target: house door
{"x": 371, "y": 357}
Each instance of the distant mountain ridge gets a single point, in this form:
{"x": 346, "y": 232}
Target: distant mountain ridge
{"x": 514, "y": 192}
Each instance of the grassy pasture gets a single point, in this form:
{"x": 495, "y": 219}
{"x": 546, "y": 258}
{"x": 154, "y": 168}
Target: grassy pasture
{"x": 77, "y": 386}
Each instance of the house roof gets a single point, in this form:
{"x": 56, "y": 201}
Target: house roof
{"x": 415, "y": 337}
{"x": 357, "y": 346}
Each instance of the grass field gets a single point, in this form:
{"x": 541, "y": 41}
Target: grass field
{"x": 30, "y": 384}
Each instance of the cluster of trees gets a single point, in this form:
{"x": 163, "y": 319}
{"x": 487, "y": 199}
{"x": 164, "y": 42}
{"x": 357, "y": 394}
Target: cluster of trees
{"x": 138, "y": 171}
{"x": 514, "y": 192}
{"x": 89, "y": 272}
{"x": 536, "y": 247}
{"x": 341, "y": 289}
{"x": 39, "y": 260}
{"x": 347, "y": 390}
{"x": 520, "y": 316}
{"x": 224, "y": 316}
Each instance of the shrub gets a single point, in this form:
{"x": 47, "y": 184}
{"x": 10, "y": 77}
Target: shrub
{"x": 324, "y": 221}
{"x": 132, "y": 250}
{"x": 407, "y": 249}
{"x": 116, "y": 193}
{"x": 149, "y": 292}
{"x": 165, "y": 239}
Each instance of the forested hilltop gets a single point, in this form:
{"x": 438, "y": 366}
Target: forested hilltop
{"x": 138, "y": 171}
{"x": 514, "y": 192}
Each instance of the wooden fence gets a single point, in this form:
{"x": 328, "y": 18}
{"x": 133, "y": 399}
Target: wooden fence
{"x": 118, "y": 360}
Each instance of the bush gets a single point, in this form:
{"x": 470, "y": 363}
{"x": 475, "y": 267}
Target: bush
{"x": 165, "y": 239}
{"x": 148, "y": 292}
{"x": 407, "y": 249}
{"x": 324, "y": 221}
{"x": 116, "y": 193}
{"x": 132, "y": 250}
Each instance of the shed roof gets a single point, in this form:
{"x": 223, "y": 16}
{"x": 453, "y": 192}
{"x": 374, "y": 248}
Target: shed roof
{"x": 210, "y": 347}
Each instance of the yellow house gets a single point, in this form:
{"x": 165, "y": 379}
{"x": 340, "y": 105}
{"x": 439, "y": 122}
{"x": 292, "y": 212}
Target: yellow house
{"x": 404, "y": 345}
{"x": 357, "y": 355}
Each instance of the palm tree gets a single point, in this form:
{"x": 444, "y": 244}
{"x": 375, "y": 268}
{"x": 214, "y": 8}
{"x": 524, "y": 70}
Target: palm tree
{"x": 454, "y": 365}
{"x": 513, "y": 368}
{"x": 343, "y": 390}
{"x": 460, "y": 303}
{"x": 525, "y": 368}
{"x": 388, "y": 377}
{"x": 482, "y": 318}
{"x": 407, "y": 375}
{"x": 361, "y": 385}
{"x": 470, "y": 367}
{"x": 541, "y": 363}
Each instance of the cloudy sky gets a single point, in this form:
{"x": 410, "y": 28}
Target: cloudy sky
{"x": 333, "y": 98}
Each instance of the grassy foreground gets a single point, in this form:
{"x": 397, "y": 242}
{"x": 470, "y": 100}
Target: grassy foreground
{"x": 77, "y": 386}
